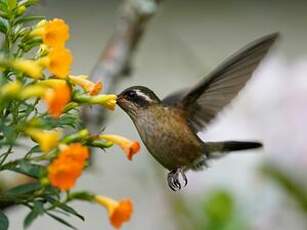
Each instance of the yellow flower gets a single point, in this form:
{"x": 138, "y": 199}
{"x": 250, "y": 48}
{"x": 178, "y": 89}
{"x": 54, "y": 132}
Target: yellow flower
{"x": 108, "y": 101}
{"x": 47, "y": 139}
{"x": 89, "y": 86}
{"x": 57, "y": 96}
{"x": 119, "y": 211}
{"x": 10, "y": 89}
{"x": 129, "y": 147}
{"x": 58, "y": 61}
{"x": 35, "y": 90}
{"x": 54, "y": 33}
{"x": 31, "y": 68}
{"x": 64, "y": 171}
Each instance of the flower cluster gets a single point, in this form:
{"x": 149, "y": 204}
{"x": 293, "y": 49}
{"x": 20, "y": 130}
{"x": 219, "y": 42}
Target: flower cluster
{"x": 40, "y": 101}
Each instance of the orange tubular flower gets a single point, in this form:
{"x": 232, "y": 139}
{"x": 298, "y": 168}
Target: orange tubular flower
{"x": 58, "y": 61}
{"x": 75, "y": 152}
{"x": 119, "y": 211}
{"x": 64, "y": 175}
{"x": 89, "y": 86}
{"x": 129, "y": 147}
{"x": 47, "y": 139}
{"x": 57, "y": 96}
{"x": 54, "y": 33}
{"x": 64, "y": 171}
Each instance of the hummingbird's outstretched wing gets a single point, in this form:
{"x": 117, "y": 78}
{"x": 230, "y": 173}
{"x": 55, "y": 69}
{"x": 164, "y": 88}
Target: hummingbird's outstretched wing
{"x": 203, "y": 101}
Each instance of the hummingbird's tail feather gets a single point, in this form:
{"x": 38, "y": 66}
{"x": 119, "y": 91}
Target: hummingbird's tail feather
{"x": 214, "y": 150}
{"x": 218, "y": 149}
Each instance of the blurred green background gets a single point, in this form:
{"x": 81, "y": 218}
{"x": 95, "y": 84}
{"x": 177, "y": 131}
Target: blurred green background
{"x": 184, "y": 41}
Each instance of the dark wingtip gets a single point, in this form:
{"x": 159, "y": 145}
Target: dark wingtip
{"x": 273, "y": 36}
{"x": 269, "y": 38}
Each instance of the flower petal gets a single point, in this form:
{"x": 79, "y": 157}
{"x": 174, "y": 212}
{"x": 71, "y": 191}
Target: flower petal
{"x": 64, "y": 171}
{"x": 89, "y": 86}
{"x": 58, "y": 61}
{"x": 31, "y": 68}
{"x": 57, "y": 96}
{"x": 54, "y": 33}
{"x": 47, "y": 139}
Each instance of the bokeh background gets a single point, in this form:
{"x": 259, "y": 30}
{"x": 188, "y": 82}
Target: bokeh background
{"x": 183, "y": 42}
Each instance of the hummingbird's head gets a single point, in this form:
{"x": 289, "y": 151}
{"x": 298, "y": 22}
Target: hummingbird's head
{"x": 136, "y": 98}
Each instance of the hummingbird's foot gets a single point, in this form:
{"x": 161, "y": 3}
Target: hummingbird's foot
{"x": 184, "y": 177}
{"x": 173, "y": 179}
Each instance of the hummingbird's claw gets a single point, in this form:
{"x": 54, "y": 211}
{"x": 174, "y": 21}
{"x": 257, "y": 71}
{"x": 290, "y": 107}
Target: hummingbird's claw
{"x": 184, "y": 177}
{"x": 173, "y": 179}
{"x": 172, "y": 183}
{"x": 177, "y": 184}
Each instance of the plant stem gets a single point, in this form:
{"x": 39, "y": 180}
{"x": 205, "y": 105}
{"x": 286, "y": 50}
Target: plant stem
{"x": 5, "y": 155}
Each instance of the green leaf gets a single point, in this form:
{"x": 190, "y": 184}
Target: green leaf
{"x": 59, "y": 219}
{"x": 29, "y": 19}
{"x": 29, "y": 169}
{"x": 26, "y": 47}
{"x": 37, "y": 210}
{"x": 9, "y": 133}
{"x": 51, "y": 192}
{"x": 64, "y": 207}
{"x": 3, "y": 6}
{"x": 67, "y": 120}
{"x": 34, "y": 149}
{"x": 4, "y": 221}
{"x": 70, "y": 210}
{"x": 27, "y": 2}
{"x": 11, "y": 4}
{"x": 30, "y": 218}
{"x": 23, "y": 189}
{"x": 70, "y": 120}
{"x": 3, "y": 25}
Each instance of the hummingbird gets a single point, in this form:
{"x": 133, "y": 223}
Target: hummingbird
{"x": 169, "y": 127}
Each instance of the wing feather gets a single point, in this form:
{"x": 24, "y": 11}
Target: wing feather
{"x": 203, "y": 101}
